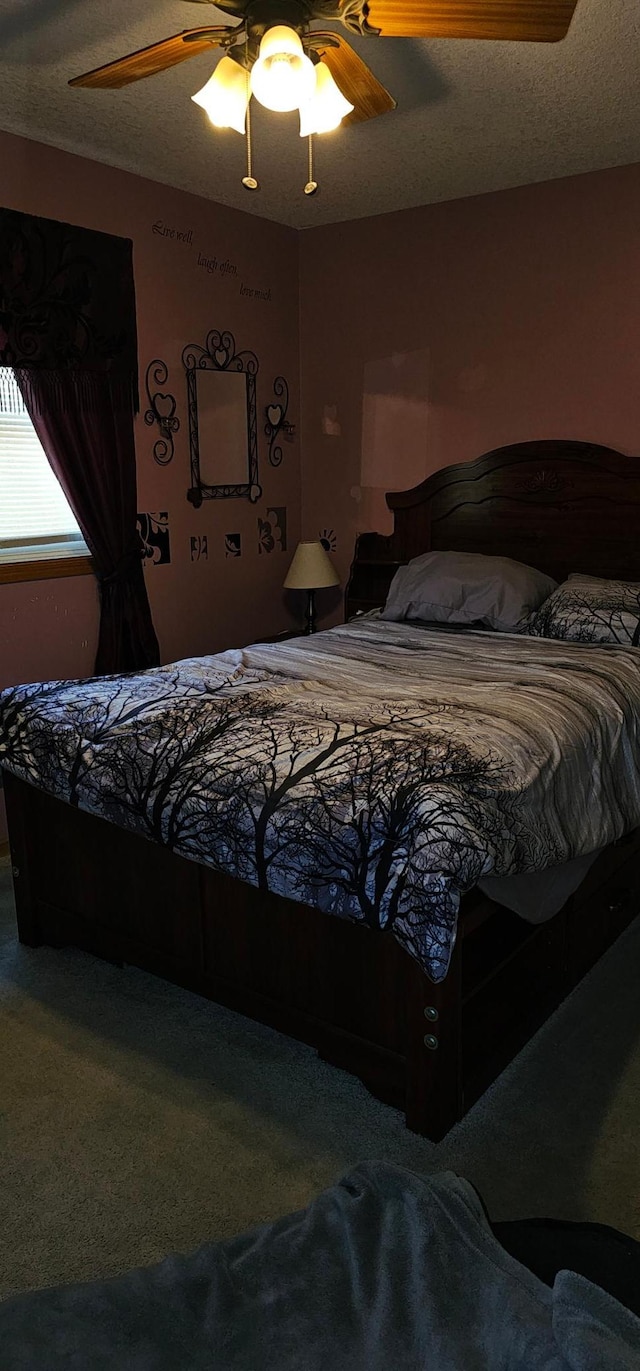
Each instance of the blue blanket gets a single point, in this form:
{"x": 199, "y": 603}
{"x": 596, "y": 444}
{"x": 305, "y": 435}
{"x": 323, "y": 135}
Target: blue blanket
{"x": 385, "y": 1270}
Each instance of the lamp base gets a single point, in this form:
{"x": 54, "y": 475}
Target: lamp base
{"x": 310, "y": 622}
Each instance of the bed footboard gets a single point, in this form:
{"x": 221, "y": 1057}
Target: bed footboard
{"x": 353, "y": 994}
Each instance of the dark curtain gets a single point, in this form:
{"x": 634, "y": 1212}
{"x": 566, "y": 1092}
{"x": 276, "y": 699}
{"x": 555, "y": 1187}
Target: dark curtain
{"x": 68, "y": 329}
{"x": 92, "y": 452}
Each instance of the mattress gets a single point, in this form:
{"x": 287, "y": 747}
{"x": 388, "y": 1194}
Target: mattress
{"x": 537, "y": 895}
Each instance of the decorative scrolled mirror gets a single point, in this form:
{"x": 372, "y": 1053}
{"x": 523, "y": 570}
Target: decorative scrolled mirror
{"x": 221, "y": 395}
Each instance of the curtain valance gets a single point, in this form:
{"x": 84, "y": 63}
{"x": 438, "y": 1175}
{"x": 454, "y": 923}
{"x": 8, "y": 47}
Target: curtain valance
{"x": 67, "y": 304}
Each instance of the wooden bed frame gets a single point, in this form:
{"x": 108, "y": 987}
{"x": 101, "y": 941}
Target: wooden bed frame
{"x": 353, "y": 994}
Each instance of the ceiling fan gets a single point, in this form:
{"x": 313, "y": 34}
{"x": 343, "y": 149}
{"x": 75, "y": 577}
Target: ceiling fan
{"x": 274, "y": 54}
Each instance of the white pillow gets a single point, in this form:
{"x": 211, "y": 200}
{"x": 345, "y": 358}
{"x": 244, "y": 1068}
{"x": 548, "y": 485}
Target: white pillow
{"x": 466, "y": 588}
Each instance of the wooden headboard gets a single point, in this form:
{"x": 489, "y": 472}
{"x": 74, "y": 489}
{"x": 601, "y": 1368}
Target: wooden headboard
{"x": 556, "y": 505}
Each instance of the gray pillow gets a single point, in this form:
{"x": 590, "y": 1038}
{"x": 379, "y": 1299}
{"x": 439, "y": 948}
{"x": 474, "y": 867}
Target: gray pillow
{"x": 465, "y": 588}
{"x": 588, "y": 609}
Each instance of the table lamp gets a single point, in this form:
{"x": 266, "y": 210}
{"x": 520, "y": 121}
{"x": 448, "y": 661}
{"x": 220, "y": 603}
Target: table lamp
{"x": 311, "y": 570}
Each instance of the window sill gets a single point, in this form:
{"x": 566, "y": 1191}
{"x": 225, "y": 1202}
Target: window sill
{"x": 45, "y": 569}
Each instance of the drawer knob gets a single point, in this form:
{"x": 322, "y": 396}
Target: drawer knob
{"x": 430, "y": 1041}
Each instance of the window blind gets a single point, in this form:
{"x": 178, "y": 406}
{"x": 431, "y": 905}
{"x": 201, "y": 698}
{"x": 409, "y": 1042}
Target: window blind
{"x": 35, "y": 518}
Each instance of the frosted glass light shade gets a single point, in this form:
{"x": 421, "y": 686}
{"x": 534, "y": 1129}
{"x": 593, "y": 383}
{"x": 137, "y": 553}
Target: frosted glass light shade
{"x": 327, "y": 106}
{"x": 311, "y": 569}
{"x": 226, "y": 96}
{"x": 283, "y": 77}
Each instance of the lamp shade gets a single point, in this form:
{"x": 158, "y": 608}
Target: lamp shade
{"x": 283, "y": 77}
{"x": 311, "y": 569}
{"x": 327, "y": 106}
{"x": 226, "y": 96}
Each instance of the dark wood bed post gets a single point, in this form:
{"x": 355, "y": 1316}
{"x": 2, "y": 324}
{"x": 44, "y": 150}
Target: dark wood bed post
{"x": 22, "y": 868}
{"x": 433, "y": 1063}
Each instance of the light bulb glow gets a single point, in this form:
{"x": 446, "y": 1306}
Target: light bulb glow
{"x": 283, "y": 78}
{"x": 226, "y": 96}
{"x": 327, "y": 106}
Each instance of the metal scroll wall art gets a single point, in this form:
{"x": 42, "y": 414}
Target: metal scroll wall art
{"x": 277, "y": 421}
{"x": 221, "y": 397}
{"x": 161, "y": 411}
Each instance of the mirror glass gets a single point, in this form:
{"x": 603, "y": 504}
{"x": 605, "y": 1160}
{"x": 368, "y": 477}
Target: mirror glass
{"x": 222, "y": 427}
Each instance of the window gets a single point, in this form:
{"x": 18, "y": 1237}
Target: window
{"x": 39, "y": 535}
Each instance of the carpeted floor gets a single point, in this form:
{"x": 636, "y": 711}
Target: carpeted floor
{"x": 137, "y": 1119}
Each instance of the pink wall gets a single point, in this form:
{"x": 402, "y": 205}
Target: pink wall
{"x": 49, "y": 628}
{"x": 433, "y": 335}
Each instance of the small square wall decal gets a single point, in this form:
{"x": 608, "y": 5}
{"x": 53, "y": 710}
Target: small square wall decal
{"x": 328, "y": 539}
{"x": 153, "y": 531}
{"x": 272, "y": 531}
{"x": 232, "y": 545}
{"x": 199, "y": 547}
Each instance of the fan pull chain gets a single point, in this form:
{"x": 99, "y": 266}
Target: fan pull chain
{"x": 249, "y": 180}
{"x": 311, "y": 186}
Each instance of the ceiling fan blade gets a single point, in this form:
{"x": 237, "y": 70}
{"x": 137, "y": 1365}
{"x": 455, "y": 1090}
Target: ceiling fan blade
{"x": 533, "y": 21}
{"x": 153, "y": 59}
{"x": 354, "y": 79}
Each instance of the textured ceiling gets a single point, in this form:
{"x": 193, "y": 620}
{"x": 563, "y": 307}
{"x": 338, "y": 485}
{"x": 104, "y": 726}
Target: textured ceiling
{"x": 471, "y": 117}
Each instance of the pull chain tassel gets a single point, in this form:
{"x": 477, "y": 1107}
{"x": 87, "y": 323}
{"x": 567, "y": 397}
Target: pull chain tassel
{"x": 249, "y": 180}
{"x": 311, "y": 186}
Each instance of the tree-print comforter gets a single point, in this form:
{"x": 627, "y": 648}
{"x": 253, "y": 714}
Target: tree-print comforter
{"x": 376, "y": 771}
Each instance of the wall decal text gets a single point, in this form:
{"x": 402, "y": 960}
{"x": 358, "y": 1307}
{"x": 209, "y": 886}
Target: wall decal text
{"x": 209, "y": 261}
{"x": 179, "y": 235}
{"x": 211, "y": 264}
{"x": 255, "y": 294}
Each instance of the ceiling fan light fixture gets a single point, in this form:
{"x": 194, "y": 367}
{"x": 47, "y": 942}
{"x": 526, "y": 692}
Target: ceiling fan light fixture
{"x": 283, "y": 77}
{"x": 225, "y": 96}
{"x": 327, "y": 107}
